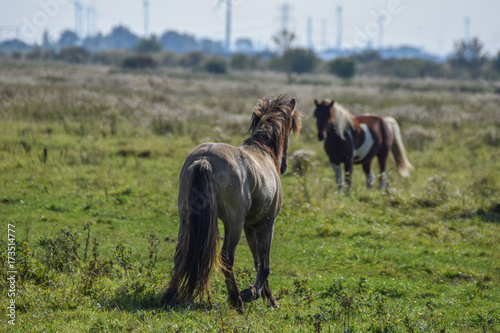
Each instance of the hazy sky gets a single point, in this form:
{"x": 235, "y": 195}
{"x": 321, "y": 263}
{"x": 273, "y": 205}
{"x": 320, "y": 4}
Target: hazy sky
{"x": 434, "y": 25}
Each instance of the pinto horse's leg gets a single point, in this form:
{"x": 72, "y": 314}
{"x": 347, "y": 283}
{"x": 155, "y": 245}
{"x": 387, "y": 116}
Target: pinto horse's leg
{"x": 260, "y": 237}
{"x": 252, "y": 243}
{"x": 337, "y": 168}
{"x": 348, "y": 172}
{"x": 231, "y": 238}
{"x": 370, "y": 179}
{"x": 382, "y": 159}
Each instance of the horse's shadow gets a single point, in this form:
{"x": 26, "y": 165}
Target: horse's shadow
{"x": 150, "y": 301}
{"x": 490, "y": 214}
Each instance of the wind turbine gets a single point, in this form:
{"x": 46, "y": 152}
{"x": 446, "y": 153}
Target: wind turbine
{"x": 229, "y": 8}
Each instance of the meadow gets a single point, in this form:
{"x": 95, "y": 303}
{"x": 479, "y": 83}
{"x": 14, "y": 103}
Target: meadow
{"x": 89, "y": 164}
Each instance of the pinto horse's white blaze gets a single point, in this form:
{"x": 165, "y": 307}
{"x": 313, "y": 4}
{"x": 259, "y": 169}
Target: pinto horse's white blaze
{"x": 361, "y": 152}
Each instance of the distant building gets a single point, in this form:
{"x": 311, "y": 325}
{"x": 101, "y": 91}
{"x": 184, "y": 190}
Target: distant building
{"x": 409, "y": 52}
{"x": 398, "y": 52}
{"x": 244, "y": 45}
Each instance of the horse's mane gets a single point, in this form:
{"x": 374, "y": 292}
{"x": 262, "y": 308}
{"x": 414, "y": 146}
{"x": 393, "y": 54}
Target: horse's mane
{"x": 342, "y": 119}
{"x": 270, "y": 124}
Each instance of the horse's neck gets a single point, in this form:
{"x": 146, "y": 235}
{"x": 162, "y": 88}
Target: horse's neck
{"x": 262, "y": 150}
{"x": 343, "y": 123}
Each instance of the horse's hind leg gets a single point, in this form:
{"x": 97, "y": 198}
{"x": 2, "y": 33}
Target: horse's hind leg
{"x": 268, "y": 294}
{"x": 231, "y": 238}
{"x": 370, "y": 179}
{"x": 259, "y": 239}
{"x": 252, "y": 243}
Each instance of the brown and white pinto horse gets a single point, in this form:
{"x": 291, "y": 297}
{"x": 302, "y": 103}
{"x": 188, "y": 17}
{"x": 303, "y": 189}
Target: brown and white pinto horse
{"x": 357, "y": 140}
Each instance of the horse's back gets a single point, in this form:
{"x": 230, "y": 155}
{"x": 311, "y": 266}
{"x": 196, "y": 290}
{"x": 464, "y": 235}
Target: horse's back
{"x": 242, "y": 179}
{"x": 226, "y": 172}
{"x": 379, "y": 128}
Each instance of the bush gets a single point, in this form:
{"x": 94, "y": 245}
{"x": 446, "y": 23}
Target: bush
{"x": 496, "y": 62}
{"x": 216, "y": 66}
{"x": 192, "y": 59}
{"x": 412, "y": 68}
{"x": 74, "y": 54}
{"x": 34, "y": 54}
{"x": 367, "y": 57}
{"x": 343, "y": 67}
{"x": 239, "y": 61}
{"x": 139, "y": 62}
{"x": 115, "y": 57}
{"x": 148, "y": 45}
{"x": 170, "y": 59}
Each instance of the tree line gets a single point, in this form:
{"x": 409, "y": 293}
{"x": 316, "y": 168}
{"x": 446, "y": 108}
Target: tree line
{"x": 172, "y": 49}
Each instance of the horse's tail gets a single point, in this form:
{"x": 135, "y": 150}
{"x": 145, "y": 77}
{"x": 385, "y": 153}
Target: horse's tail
{"x": 196, "y": 250}
{"x": 398, "y": 148}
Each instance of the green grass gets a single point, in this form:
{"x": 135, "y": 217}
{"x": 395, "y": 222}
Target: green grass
{"x": 96, "y": 219}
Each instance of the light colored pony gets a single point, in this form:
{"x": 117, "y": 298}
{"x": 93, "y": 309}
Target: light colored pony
{"x": 241, "y": 186}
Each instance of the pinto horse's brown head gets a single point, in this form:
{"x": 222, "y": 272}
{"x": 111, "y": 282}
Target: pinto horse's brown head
{"x": 324, "y": 117}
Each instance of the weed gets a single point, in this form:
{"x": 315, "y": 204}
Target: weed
{"x": 302, "y": 162}
{"x": 61, "y": 251}
{"x": 153, "y": 243}
{"x": 122, "y": 256}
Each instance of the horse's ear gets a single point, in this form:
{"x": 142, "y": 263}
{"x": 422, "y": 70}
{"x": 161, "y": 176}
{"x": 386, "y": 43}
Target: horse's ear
{"x": 292, "y": 104}
{"x": 316, "y": 102}
{"x": 254, "y": 122}
{"x": 333, "y": 102}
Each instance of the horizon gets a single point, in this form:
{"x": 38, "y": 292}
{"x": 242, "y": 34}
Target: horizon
{"x": 383, "y": 24}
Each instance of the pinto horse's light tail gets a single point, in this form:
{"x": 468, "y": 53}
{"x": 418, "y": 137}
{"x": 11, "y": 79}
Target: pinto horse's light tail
{"x": 398, "y": 148}
{"x": 196, "y": 251}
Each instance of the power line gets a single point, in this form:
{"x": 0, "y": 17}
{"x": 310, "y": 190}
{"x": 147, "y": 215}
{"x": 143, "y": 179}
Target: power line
{"x": 78, "y": 18}
{"x": 309, "y": 33}
{"x": 229, "y": 14}
{"x": 340, "y": 25}
{"x": 145, "y": 4}
{"x": 285, "y": 9}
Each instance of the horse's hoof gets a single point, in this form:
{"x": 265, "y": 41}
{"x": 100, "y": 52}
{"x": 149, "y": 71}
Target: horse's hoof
{"x": 237, "y": 303}
{"x": 169, "y": 300}
{"x": 272, "y": 303}
{"x": 249, "y": 294}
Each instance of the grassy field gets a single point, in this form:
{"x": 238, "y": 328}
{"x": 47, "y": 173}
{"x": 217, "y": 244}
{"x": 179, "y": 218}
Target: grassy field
{"x": 89, "y": 165}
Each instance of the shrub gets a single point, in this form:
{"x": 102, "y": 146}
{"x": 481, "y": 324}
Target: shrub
{"x": 411, "y": 68}
{"x": 139, "y": 62}
{"x": 343, "y": 67}
{"x": 300, "y": 60}
{"x": 417, "y": 136}
{"x": 216, "y": 66}
{"x": 192, "y": 59}
{"x": 239, "y": 61}
{"x": 61, "y": 251}
{"x": 170, "y": 59}
{"x": 34, "y": 54}
{"x": 496, "y": 62}
{"x": 147, "y": 45}
{"x": 115, "y": 57}
{"x": 74, "y": 54}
